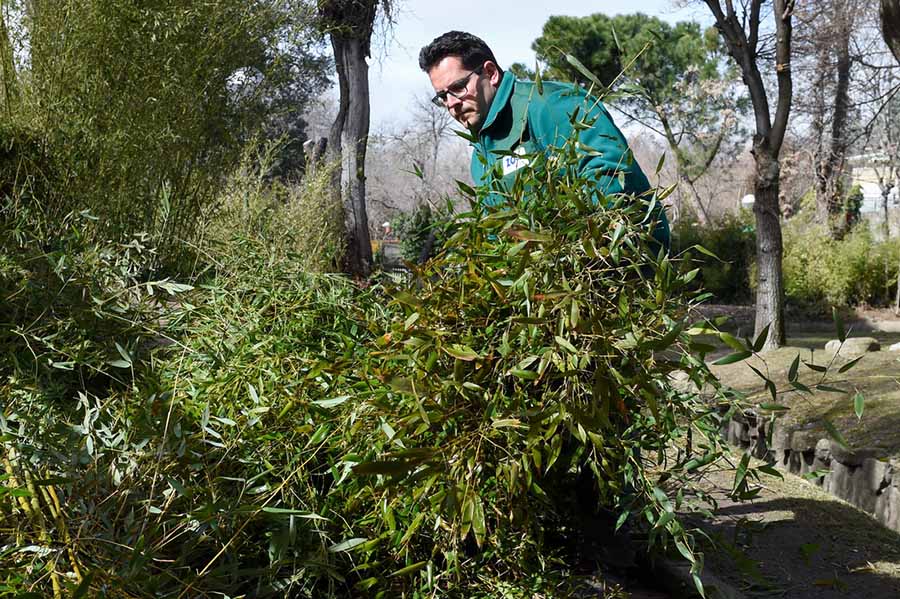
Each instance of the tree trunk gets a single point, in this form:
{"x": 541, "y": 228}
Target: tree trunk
{"x": 682, "y": 168}
{"x": 885, "y": 193}
{"x": 890, "y": 25}
{"x": 314, "y": 153}
{"x": 350, "y": 24}
{"x": 829, "y": 192}
{"x": 702, "y": 213}
{"x": 352, "y": 121}
{"x": 823, "y": 210}
{"x": 839, "y": 137}
{"x": 890, "y": 28}
{"x": 741, "y": 36}
{"x": 359, "y": 247}
{"x": 769, "y": 248}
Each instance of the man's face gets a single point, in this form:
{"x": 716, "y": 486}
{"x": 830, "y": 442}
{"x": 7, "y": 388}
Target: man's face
{"x": 472, "y": 93}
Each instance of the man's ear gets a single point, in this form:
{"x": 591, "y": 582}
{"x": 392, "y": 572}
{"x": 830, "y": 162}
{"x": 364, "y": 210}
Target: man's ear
{"x": 493, "y": 73}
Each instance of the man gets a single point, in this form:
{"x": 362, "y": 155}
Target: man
{"x": 509, "y": 115}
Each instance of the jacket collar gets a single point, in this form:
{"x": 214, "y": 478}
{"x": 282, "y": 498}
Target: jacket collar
{"x": 501, "y": 99}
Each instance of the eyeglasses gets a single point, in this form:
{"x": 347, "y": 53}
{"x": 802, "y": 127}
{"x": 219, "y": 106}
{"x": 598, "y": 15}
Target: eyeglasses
{"x": 457, "y": 89}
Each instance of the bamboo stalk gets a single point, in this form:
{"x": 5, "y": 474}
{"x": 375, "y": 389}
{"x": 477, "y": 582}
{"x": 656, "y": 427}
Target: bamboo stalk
{"x": 64, "y": 532}
{"x": 14, "y": 482}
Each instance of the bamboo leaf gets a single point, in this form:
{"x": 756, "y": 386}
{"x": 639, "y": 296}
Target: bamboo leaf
{"x": 528, "y": 235}
{"x": 411, "y": 569}
{"x": 703, "y": 250}
{"x": 330, "y": 403}
{"x": 564, "y": 343}
{"x": 741, "y": 472}
{"x": 732, "y": 358}
{"x": 462, "y": 352}
{"x": 413, "y": 527}
{"x": 792, "y": 372}
{"x": 292, "y": 512}
{"x": 839, "y": 325}
{"x": 386, "y": 467}
{"x": 830, "y": 389}
{"x": 849, "y": 365}
{"x": 834, "y": 433}
{"x": 859, "y": 404}
{"x": 761, "y": 338}
{"x": 732, "y": 342}
{"x": 586, "y": 72}
{"x": 347, "y": 544}
{"x": 800, "y": 387}
{"x": 479, "y": 527}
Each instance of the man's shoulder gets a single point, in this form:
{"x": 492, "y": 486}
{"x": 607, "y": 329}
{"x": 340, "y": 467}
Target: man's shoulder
{"x": 549, "y": 94}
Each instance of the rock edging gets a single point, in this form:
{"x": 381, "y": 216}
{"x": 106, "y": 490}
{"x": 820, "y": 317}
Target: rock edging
{"x": 859, "y": 477}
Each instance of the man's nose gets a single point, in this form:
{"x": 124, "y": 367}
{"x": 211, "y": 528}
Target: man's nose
{"x": 452, "y": 101}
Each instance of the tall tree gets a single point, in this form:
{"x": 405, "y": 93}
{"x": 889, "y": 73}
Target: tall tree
{"x": 890, "y": 25}
{"x": 753, "y": 50}
{"x": 671, "y": 75}
{"x": 881, "y": 147}
{"x": 350, "y": 24}
{"x": 890, "y": 29}
{"x": 826, "y": 56}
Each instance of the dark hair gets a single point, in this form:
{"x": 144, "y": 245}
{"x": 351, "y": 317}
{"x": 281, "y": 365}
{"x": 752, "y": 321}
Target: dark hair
{"x": 470, "y": 49}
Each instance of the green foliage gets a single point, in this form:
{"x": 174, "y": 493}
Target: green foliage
{"x": 131, "y": 402}
{"x": 670, "y": 77}
{"x": 528, "y": 362}
{"x": 733, "y": 241}
{"x": 853, "y": 201}
{"x": 271, "y": 432}
{"x": 214, "y": 465}
{"x": 661, "y": 53}
{"x": 820, "y": 272}
{"x": 139, "y": 109}
{"x": 414, "y": 229}
{"x": 75, "y": 312}
{"x": 303, "y": 221}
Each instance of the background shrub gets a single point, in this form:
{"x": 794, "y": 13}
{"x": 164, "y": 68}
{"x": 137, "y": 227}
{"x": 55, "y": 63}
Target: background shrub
{"x": 733, "y": 240}
{"x": 297, "y": 220}
{"x": 820, "y": 272}
{"x": 421, "y": 227}
{"x": 139, "y": 109}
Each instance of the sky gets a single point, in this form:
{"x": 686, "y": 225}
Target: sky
{"x": 508, "y": 27}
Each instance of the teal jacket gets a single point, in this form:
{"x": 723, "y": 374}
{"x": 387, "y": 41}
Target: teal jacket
{"x": 524, "y": 121}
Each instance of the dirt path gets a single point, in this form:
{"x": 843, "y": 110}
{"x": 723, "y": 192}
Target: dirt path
{"x": 797, "y": 542}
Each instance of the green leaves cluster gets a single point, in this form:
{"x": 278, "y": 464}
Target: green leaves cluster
{"x": 671, "y": 78}
{"x": 137, "y": 109}
{"x": 534, "y": 355}
{"x": 820, "y": 272}
{"x": 444, "y": 437}
{"x": 653, "y": 53}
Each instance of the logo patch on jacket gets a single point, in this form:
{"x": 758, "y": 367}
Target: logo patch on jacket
{"x": 513, "y": 163}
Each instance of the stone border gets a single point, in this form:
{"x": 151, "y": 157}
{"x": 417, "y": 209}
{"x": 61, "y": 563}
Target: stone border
{"x": 860, "y": 477}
